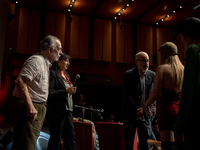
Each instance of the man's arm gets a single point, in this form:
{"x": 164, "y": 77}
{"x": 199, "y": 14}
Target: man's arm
{"x": 21, "y": 84}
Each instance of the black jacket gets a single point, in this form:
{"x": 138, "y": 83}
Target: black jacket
{"x": 57, "y": 99}
{"x": 133, "y": 94}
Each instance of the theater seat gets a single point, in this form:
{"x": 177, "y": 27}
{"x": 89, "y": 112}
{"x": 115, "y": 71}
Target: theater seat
{"x": 111, "y": 136}
{"x": 87, "y": 135}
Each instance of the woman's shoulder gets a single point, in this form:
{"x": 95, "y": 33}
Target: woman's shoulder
{"x": 163, "y": 67}
{"x": 52, "y": 72}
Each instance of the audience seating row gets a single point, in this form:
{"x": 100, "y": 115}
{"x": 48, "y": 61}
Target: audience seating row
{"x": 110, "y": 136}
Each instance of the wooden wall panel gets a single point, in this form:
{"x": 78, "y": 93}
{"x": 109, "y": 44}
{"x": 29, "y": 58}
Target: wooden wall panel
{"x": 128, "y": 45}
{"x": 167, "y": 35}
{"x": 181, "y": 48}
{"x": 140, "y": 38}
{"x": 162, "y": 35}
{"x": 119, "y": 43}
{"x": 50, "y": 24}
{"x": 33, "y": 40}
{"x": 149, "y": 42}
{"x": 102, "y": 40}
{"x": 160, "y": 41}
{"x": 29, "y": 27}
{"x": 124, "y": 43}
{"x": 75, "y": 37}
{"x": 60, "y": 28}
{"x": 84, "y": 38}
{"x": 79, "y": 37}
{"x": 145, "y": 40}
{"x": 23, "y": 30}
{"x": 107, "y": 32}
{"x": 55, "y": 25}
{"x": 98, "y": 40}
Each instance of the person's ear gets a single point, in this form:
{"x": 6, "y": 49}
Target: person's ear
{"x": 136, "y": 62}
{"x": 50, "y": 49}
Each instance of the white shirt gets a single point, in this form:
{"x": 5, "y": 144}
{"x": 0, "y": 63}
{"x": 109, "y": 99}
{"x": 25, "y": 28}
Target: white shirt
{"x": 36, "y": 68}
{"x": 142, "y": 102}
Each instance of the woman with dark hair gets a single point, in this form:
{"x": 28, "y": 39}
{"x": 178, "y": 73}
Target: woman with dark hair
{"x": 188, "y": 115}
{"x": 60, "y": 106}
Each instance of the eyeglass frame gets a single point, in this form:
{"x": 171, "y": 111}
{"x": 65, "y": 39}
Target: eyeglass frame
{"x": 144, "y": 61}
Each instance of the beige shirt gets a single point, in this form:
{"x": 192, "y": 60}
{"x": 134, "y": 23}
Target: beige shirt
{"x": 36, "y": 68}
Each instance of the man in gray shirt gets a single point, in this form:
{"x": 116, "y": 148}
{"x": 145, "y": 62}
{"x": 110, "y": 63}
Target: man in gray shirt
{"x": 137, "y": 86}
{"x": 27, "y": 107}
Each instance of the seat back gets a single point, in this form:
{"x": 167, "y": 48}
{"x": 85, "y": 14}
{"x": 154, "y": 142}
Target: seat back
{"x": 111, "y": 136}
{"x": 87, "y": 135}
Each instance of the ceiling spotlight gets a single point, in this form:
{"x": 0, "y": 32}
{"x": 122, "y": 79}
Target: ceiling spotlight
{"x": 167, "y": 15}
{"x": 156, "y": 23}
{"x": 174, "y": 11}
{"x": 16, "y": 2}
{"x": 71, "y": 5}
{"x": 132, "y": 0}
{"x": 181, "y": 7}
{"x": 162, "y": 19}
{"x": 122, "y": 9}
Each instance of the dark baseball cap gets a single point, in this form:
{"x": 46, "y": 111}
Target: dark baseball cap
{"x": 189, "y": 27}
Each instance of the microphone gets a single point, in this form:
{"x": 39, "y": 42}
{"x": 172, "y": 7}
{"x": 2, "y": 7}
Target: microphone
{"x": 98, "y": 112}
{"x": 76, "y": 79}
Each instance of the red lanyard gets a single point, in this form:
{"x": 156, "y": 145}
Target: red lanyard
{"x": 67, "y": 79}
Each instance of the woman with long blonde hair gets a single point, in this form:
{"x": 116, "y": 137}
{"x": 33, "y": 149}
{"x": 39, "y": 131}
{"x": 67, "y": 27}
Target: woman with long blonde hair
{"x": 168, "y": 84}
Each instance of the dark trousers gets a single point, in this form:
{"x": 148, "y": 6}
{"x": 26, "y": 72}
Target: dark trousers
{"x": 59, "y": 127}
{"x": 192, "y": 132}
{"x": 25, "y": 132}
{"x": 143, "y": 132}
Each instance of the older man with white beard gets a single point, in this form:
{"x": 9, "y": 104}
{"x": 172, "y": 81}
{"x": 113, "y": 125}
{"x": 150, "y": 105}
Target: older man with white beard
{"x": 137, "y": 86}
{"x": 27, "y": 107}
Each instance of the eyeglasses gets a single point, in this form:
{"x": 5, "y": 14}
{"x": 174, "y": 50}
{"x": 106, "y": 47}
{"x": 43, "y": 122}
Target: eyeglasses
{"x": 56, "y": 48}
{"x": 59, "y": 49}
{"x": 144, "y": 61}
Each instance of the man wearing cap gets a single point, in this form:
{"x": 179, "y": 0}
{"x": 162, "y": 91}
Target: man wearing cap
{"x": 137, "y": 86}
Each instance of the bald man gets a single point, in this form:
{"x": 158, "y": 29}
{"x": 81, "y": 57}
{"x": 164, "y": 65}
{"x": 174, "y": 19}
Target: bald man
{"x": 137, "y": 86}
